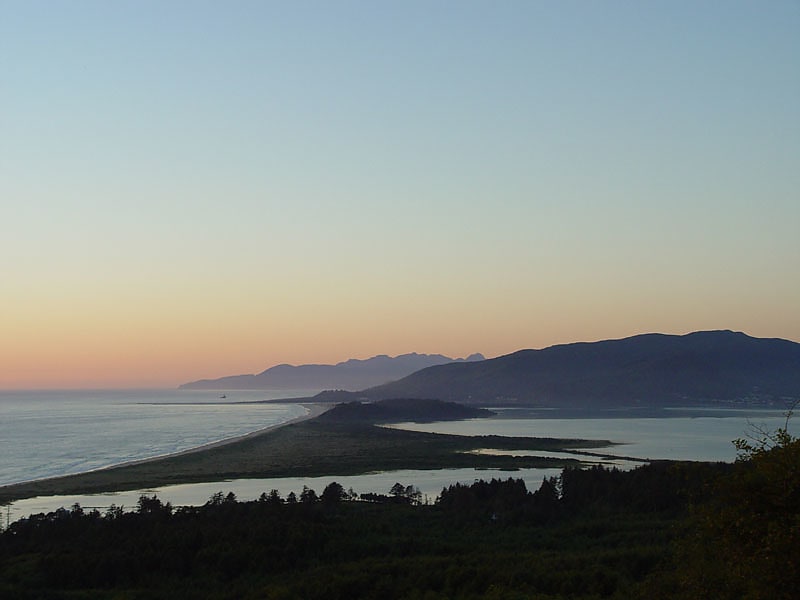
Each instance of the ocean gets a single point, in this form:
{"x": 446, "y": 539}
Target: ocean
{"x": 45, "y": 434}
{"x": 51, "y": 433}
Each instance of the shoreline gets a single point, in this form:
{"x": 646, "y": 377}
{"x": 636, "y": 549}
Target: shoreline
{"x": 314, "y": 410}
{"x": 307, "y": 447}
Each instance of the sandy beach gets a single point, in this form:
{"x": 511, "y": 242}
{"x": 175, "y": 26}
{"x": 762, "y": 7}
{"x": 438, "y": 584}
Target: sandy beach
{"x": 129, "y": 474}
{"x": 314, "y": 410}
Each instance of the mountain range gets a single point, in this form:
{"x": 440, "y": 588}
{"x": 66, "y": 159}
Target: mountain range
{"x": 643, "y": 370}
{"x": 353, "y": 374}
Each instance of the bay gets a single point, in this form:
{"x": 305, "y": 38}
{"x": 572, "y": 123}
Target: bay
{"x": 703, "y": 434}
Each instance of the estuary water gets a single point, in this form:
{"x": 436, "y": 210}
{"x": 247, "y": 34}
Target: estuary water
{"x": 44, "y": 434}
{"x": 703, "y": 434}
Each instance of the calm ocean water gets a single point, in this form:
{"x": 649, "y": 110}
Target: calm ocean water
{"x": 47, "y": 433}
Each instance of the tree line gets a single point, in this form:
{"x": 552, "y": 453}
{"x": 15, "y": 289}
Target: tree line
{"x": 588, "y": 533}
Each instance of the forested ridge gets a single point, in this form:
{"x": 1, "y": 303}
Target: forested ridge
{"x": 669, "y": 530}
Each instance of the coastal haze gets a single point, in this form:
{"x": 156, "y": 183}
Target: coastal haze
{"x": 192, "y": 191}
{"x": 350, "y": 375}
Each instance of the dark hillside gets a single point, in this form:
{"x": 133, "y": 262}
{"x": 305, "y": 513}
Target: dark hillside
{"x": 644, "y": 370}
{"x": 398, "y": 409}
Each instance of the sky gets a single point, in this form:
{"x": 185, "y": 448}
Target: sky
{"x": 197, "y": 189}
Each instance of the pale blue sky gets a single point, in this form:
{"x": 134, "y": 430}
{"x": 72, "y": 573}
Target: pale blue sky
{"x": 310, "y": 181}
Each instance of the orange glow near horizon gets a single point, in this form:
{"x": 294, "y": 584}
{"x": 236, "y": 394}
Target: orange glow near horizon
{"x": 144, "y": 335}
{"x": 163, "y": 355}
{"x": 378, "y": 196}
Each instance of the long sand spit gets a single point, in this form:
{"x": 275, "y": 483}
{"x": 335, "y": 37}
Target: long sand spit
{"x": 309, "y": 447}
{"x": 314, "y": 410}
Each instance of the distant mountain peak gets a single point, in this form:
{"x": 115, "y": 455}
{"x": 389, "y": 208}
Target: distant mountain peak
{"x": 352, "y": 374}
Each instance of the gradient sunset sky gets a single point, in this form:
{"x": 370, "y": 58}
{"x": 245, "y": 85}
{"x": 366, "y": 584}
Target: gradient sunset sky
{"x": 197, "y": 189}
